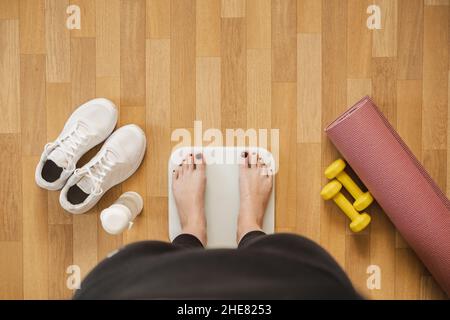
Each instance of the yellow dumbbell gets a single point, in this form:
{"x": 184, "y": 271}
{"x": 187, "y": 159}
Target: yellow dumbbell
{"x": 336, "y": 170}
{"x": 332, "y": 191}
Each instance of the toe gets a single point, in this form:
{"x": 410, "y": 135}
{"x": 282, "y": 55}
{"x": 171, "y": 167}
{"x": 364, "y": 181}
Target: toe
{"x": 174, "y": 174}
{"x": 178, "y": 171}
{"x": 260, "y": 163}
{"x": 253, "y": 160}
{"x": 190, "y": 162}
{"x": 244, "y": 163}
{"x": 199, "y": 161}
{"x": 185, "y": 165}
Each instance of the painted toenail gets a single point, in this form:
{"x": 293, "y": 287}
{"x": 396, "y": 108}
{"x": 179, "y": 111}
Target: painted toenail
{"x": 244, "y": 154}
{"x": 198, "y": 156}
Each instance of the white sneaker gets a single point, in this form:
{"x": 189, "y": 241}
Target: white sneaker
{"x": 116, "y": 161}
{"x": 89, "y": 124}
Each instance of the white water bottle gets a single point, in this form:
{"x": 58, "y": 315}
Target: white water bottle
{"x": 120, "y": 215}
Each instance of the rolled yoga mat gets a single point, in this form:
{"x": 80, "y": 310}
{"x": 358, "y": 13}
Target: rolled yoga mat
{"x": 399, "y": 183}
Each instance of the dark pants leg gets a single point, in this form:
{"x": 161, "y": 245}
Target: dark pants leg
{"x": 289, "y": 244}
{"x": 186, "y": 240}
{"x": 296, "y": 246}
{"x": 104, "y": 272}
{"x": 249, "y": 238}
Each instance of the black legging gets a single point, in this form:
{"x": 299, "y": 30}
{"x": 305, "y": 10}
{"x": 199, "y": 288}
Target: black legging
{"x": 279, "y": 266}
{"x": 185, "y": 240}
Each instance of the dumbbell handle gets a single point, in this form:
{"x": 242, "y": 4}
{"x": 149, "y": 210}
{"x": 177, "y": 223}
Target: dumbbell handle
{"x": 345, "y": 205}
{"x": 349, "y": 184}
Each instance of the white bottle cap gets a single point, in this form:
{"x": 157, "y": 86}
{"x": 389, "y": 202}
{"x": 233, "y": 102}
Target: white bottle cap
{"x": 115, "y": 219}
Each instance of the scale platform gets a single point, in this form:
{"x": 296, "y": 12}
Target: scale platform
{"x": 222, "y": 193}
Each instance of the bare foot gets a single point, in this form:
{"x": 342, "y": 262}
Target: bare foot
{"x": 255, "y": 185}
{"x": 188, "y": 185}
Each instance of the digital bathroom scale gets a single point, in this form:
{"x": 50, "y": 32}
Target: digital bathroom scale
{"x": 222, "y": 193}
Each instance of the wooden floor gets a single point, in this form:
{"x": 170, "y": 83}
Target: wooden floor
{"x": 287, "y": 64}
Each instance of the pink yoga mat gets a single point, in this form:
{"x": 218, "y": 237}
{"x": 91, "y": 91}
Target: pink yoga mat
{"x": 399, "y": 183}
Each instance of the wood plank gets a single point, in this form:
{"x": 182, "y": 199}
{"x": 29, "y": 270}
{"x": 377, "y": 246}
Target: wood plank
{"x": 408, "y": 275}
{"x": 384, "y": 42}
{"x": 409, "y": 114}
{"x": 158, "y": 19}
{"x": 357, "y": 259}
{"x": 32, "y": 104}
{"x": 410, "y": 39}
{"x": 83, "y": 70}
{"x": 57, "y": 38}
{"x": 309, "y": 16}
{"x": 309, "y": 184}
{"x": 359, "y": 40}
{"x": 259, "y": 87}
{"x": 157, "y": 218}
{"x": 334, "y": 69}
{"x": 233, "y": 8}
{"x": 9, "y": 76}
{"x": 32, "y": 27}
{"x": 334, "y": 99}
{"x": 384, "y": 87}
{"x": 207, "y": 28}
{"x": 435, "y": 161}
{"x": 284, "y": 40}
{"x": 107, "y": 38}
{"x": 284, "y": 96}
{"x": 59, "y": 109}
{"x": 109, "y": 87}
{"x": 182, "y": 63}
{"x": 138, "y": 181}
{"x": 430, "y": 290}
{"x": 259, "y": 24}
{"x": 158, "y": 110}
{"x": 208, "y": 92}
{"x": 35, "y": 234}
{"x": 85, "y": 231}
{"x": 11, "y": 280}
{"x": 437, "y": 2}
{"x": 309, "y": 88}
{"x": 58, "y": 106}
{"x": 9, "y": 9}
{"x": 435, "y": 78}
{"x": 234, "y": 75}
{"x": 382, "y": 251}
{"x": 358, "y": 88}
{"x": 60, "y": 257}
{"x": 132, "y": 53}
{"x": 10, "y": 189}
{"x": 88, "y": 15}
{"x": 108, "y": 244}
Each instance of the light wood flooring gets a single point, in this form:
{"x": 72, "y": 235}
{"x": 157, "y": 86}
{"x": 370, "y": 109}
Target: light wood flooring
{"x": 294, "y": 65}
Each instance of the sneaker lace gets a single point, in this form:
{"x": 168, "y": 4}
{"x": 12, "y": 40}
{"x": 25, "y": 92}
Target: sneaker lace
{"x": 97, "y": 172}
{"x": 69, "y": 145}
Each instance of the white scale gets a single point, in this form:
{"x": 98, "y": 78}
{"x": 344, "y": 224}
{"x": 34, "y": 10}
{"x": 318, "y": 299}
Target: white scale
{"x": 222, "y": 193}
